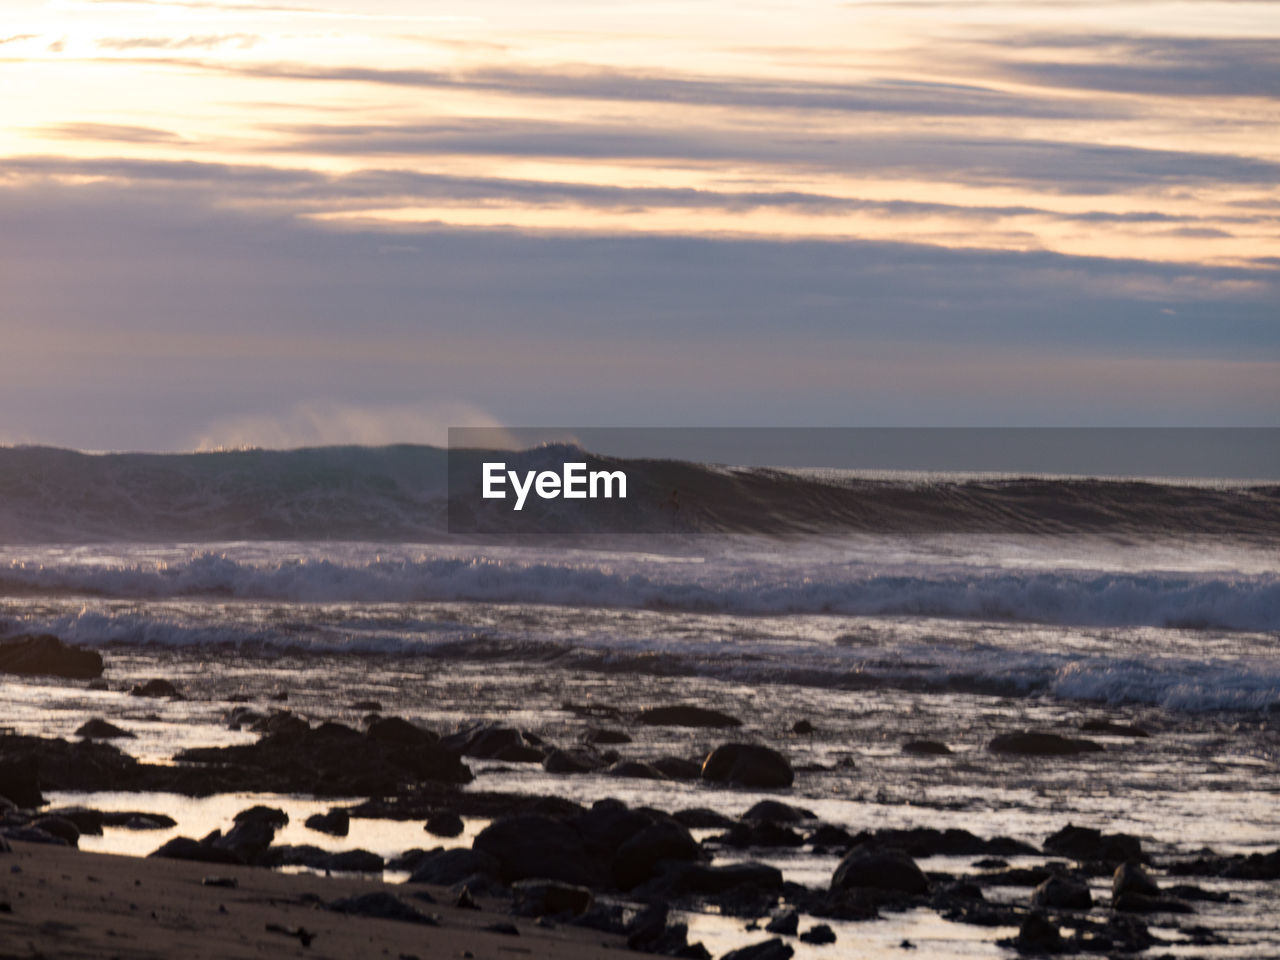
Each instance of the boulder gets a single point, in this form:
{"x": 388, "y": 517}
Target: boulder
{"x": 381, "y": 905}
{"x": 1087, "y": 843}
{"x": 598, "y": 736}
{"x": 1062, "y": 893}
{"x": 19, "y": 781}
{"x": 635, "y": 770}
{"x": 774, "y": 949}
{"x": 1131, "y": 878}
{"x": 446, "y": 867}
{"x": 819, "y": 935}
{"x": 685, "y": 715}
{"x": 294, "y": 855}
{"x": 248, "y": 839}
{"x": 85, "y": 820}
{"x": 354, "y": 861}
{"x": 535, "y": 898}
{"x": 747, "y": 765}
{"x": 570, "y": 761}
{"x": 785, "y": 922}
{"x": 273, "y": 816}
{"x": 708, "y": 880}
{"x": 60, "y": 827}
{"x": 155, "y": 688}
{"x": 396, "y": 730}
{"x": 46, "y": 655}
{"x": 677, "y": 768}
{"x": 137, "y": 820}
{"x": 529, "y": 846}
{"x": 1038, "y": 935}
{"x": 184, "y": 848}
{"x": 879, "y": 870}
{"x": 336, "y": 823}
{"x": 926, "y": 748}
{"x": 1141, "y": 903}
{"x": 637, "y": 859}
{"x": 494, "y": 743}
{"x": 444, "y": 823}
{"x": 99, "y": 729}
{"x": 1031, "y": 743}
{"x": 778, "y": 812}
{"x": 760, "y": 833}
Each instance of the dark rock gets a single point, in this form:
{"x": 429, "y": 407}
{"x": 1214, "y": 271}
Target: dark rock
{"x": 31, "y": 834}
{"x": 465, "y": 901}
{"x": 60, "y": 827}
{"x": 99, "y": 729}
{"x": 1115, "y": 729}
{"x": 396, "y": 730}
{"x": 1038, "y": 935}
{"x": 97, "y": 683}
{"x": 446, "y": 867}
{"x": 503, "y": 927}
{"x": 929, "y": 748}
{"x": 596, "y": 711}
{"x": 1062, "y": 893}
{"x": 85, "y": 820}
{"x": 493, "y": 743}
{"x": 272, "y": 816}
{"x": 596, "y": 737}
{"x": 1254, "y": 866}
{"x": 879, "y": 870}
{"x": 819, "y": 936}
{"x": 829, "y": 836}
{"x": 1087, "y": 843}
{"x": 1131, "y": 878}
{"x": 248, "y": 839}
{"x": 135, "y": 820}
{"x": 707, "y": 880}
{"x": 535, "y": 898}
{"x": 46, "y": 655}
{"x": 336, "y": 823}
{"x": 1189, "y": 891}
{"x": 608, "y": 825}
{"x": 294, "y": 855}
{"x": 155, "y": 688}
{"x": 637, "y": 859}
{"x": 802, "y": 727}
{"x": 570, "y": 761}
{"x": 686, "y": 715}
{"x": 1140, "y": 903}
{"x": 747, "y": 765}
{"x": 383, "y": 906}
{"x": 773, "y": 949}
{"x": 786, "y": 922}
{"x": 702, "y": 818}
{"x": 928, "y": 842}
{"x": 354, "y": 861}
{"x": 444, "y": 823}
{"x": 778, "y": 812}
{"x": 282, "y": 725}
{"x": 636, "y": 770}
{"x": 184, "y": 848}
{"x": 677, "y": 768}
{"x": 763, "y": 833}
{"x": 532, "y": 846}
{"x": 1030, "y": 743}
{"x": 367, "y": 706}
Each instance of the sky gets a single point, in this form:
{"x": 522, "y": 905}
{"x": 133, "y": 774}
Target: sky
{"x": 248, "y": 222}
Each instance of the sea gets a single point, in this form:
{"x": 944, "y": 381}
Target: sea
{"x": 880, "y": 607}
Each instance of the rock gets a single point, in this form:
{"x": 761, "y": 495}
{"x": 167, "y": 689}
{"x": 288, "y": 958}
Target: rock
{"x": 636, "y": 770}
{"x": 685, "y": 715}
{"x": 1131, "y": 878}
{"x": 747, "y": 765}
{"x": 778, "y": 812}
{"x": 569, "y": 761}
{"x": 1030, "y": 743}
{"x": 396, "y": 730}
{"x": 383, "y": 906}
{"x": 503, "y": 927}
{"x": 281, "y": 724}
{"x": 677, "y": 768}
{"x": 773, "y": 949}
{"x": 367, "y": 706}
{"x": 444, "y": 823}
{"x": 184, "y": 848}
{"x": 31, "y": 834}
{"x": 1141, "y": 903}
{"x": 707, "y": 880}
{"x": 46, "y": 655}
{"x": 294, "y": 855}
{"x": 19, "y": 782}
{"x": 879, "y": 870}
{"x": 446, "y": 867}
{"x": 533, "y": 846}
{"x": 273, "y": 816}
{"x": 928, "y": 842}
{"x": 493, "y": 743}
{"x": 927, "y": 748}
{"x": 802, "y": 727}
{"x": 764, "y": 833}
{"x": 608, "y": 825}
{"x": 336, "y": 823}
{"x": 85, "y": 820}
{"x": 637, "y": 859}
{"x": 1087, "y": 843}
{"x": 59, "y": 827}
{"x": 1115, "y": 729}
{"x": 1038, "y": 935}
{"x": 99, "y": 729}
{"x": 135, "y": 820}
{"x": 827, "y": 836}
{"x": 1062, "y": 893}
{"x": 534, "y": 898}
{"x": 819, "y": 936}
{"x": 97, "y": 683}
{"x": 155, "y": 688}
{"x": 354, "y": 861}
{"x": 597, "y": 736}
{"x": 786, "y": 922}
{"x": 248, "y": 839}
{"x": 702, "y": 818}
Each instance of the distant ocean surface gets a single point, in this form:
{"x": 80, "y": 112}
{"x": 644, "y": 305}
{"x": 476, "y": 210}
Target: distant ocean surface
{"x": 1164, "y": 593}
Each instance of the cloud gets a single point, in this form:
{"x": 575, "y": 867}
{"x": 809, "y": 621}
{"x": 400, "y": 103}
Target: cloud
{"x": 243, "y": 41}
{"x": 108, "y": 131}
{"x": 1153, "y": 65}
{"x": 18, "y": 37}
